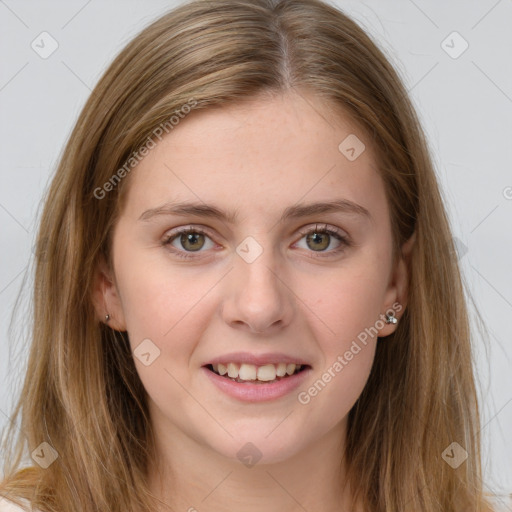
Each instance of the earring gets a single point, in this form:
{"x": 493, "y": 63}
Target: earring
{"x": 107, "y": 317}
{"x": 390, "y": 318}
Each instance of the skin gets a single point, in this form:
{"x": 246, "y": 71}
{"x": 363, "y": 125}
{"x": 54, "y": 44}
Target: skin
{"x": 256, "y": 159}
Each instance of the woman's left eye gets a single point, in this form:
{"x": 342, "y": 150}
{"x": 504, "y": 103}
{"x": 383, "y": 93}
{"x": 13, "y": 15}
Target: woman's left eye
{"x": 318, "y": 239}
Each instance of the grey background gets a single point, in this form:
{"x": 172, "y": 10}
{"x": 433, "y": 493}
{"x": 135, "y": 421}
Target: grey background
{"x": 465, "y": 105}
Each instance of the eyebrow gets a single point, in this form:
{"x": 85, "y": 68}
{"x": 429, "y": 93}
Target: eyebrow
{"x": 293, "y": 212}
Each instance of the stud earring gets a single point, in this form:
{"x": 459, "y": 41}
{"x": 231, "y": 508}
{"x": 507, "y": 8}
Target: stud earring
{"x": 390, "y": 318}
{"x": 107, "y": 317}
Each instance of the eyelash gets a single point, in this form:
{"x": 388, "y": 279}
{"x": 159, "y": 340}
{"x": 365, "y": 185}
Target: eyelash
{"x": 319, "y": 230}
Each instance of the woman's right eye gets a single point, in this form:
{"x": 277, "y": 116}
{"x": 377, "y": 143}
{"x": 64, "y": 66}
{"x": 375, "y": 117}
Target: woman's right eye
{"x": 188, "y": 240}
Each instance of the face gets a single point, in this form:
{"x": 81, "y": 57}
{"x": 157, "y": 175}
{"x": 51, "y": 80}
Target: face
{"x": 252, "y": 275}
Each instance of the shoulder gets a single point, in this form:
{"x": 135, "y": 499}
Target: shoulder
{"x": 9, "y": 506}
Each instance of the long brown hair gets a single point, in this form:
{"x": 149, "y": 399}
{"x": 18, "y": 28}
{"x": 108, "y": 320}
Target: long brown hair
{"x": 82, "y": 394}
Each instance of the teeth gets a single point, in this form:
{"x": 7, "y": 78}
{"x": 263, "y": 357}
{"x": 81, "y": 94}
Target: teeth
{"x": 232, "y": 370}
{"x": 267, "y": 372}
{"x": 281, "y": 370}
{"x": 248, "y": 372}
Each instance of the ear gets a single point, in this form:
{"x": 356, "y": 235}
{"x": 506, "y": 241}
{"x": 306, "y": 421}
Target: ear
{"x": 396, "y": 295}
{"x": 105, "y": 297}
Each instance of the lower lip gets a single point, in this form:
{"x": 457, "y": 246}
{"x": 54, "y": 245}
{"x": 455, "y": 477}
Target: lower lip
{"x": 248, "y": 392}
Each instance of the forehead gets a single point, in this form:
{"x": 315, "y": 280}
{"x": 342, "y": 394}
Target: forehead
{"x": 262, "y": 155}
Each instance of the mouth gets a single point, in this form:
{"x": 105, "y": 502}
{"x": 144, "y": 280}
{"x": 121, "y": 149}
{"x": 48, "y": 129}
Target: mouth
{"x": 253, "y": 374}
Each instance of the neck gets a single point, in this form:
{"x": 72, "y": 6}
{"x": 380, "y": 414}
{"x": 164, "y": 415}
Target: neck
{"x": 192, "y": 477}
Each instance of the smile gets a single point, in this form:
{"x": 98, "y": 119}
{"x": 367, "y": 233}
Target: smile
{"x": 244, "y": 372}
{"x": 246, "y": 385}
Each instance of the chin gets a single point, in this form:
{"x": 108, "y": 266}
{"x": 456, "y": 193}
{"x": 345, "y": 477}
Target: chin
{"x": 260, "y": 448}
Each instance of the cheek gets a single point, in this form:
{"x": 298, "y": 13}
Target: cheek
{"x": 343, "y": 311}
{"x": 345, "y": 320}
{"x": 154, "y": 292}
{"x": 344, "y": 303}
{"x": 337, "y": 387}
{"x": 166, "y": 315}
{"x": 165, "y": 305}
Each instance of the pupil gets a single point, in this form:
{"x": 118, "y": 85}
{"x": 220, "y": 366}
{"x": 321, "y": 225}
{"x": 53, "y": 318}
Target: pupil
{"x": 318, "y": 238}
{"x": 191, "y": 238}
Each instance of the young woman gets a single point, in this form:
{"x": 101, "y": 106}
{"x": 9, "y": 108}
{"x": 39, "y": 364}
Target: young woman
{"x": 246, "y": 292}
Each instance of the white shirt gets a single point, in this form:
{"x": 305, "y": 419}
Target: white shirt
{"x": 9, "y": 506}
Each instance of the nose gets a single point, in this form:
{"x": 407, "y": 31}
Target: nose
{"x": 258, "y": 298}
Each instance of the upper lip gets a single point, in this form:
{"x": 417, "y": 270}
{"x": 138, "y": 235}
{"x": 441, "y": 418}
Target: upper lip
{"x": 257, "y": 359}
